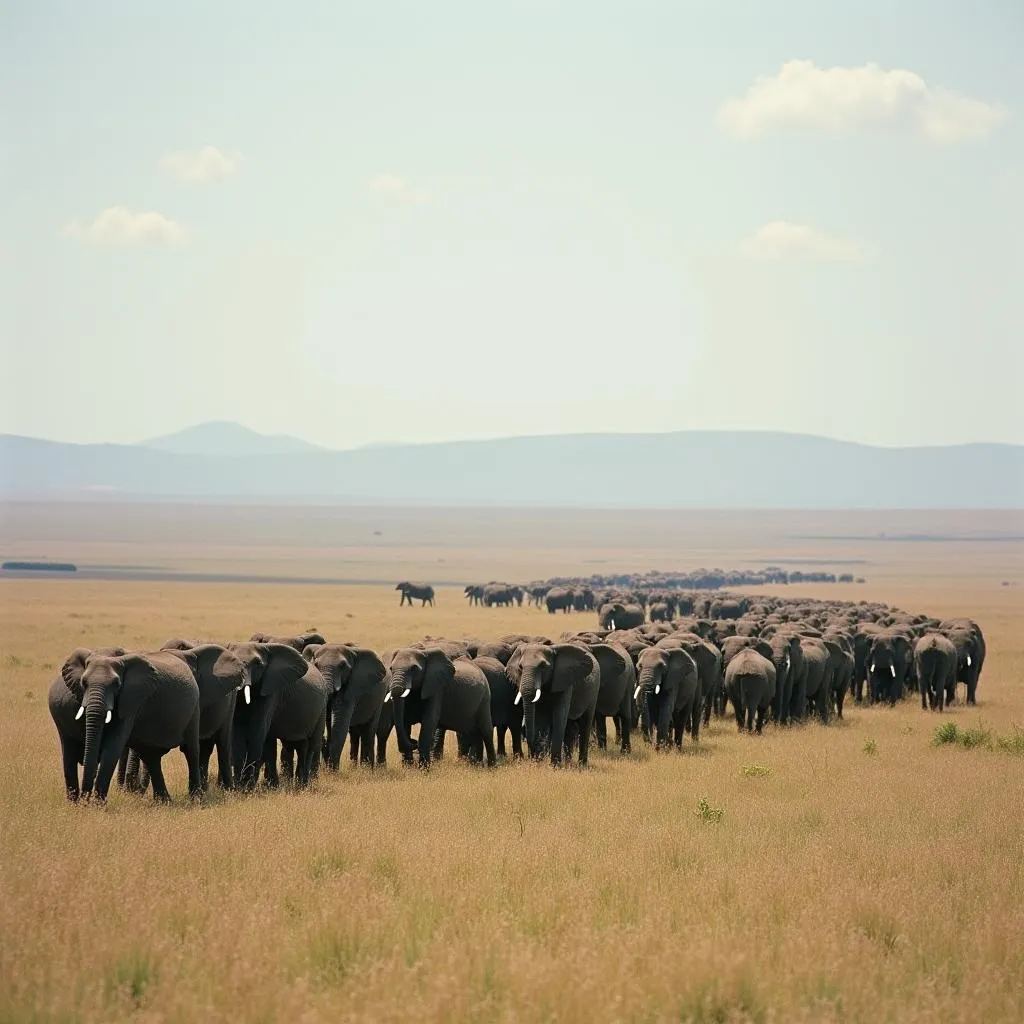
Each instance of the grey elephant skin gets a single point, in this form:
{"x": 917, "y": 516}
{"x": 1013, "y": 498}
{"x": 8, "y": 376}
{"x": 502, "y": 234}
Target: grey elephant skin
{"x": 615, "y": 695}
{"x": 356, "y": 688}
{"x": 429, "y": 687}
{"x": 423, "y": 592}
{"x": 149, "y": 702}
{"x": 670, "y": 698}
{"x": 935, "y": 658}
{"x": 288, "y": 703}
{"x": 750, "y": 683}
{"x": 557, "y": 684}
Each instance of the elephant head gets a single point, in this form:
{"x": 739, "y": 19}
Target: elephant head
{"x": 546, "y": 669}
{"x": 218, "y": 672}
{"x": 106, "y": 685}
{"x": 351, "y": 673}
{"x": 299, "y": 642}
{"x": 661, "y": 675}
{"x": 424, "y": 675}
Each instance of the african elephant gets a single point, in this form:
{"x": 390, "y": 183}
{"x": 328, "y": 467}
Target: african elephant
{"x": 149, "y": 702}
{"x": 841, "y": 650}
{"x": 788, "y": 659}
{"x": 288, "y": 702}
{"x": 355, "y": 679}
{"x": 969, "y": 641}
{"x": 863, "y": 636}
{"x": 423, "y": 592}
{"x": 615, "y": 695}
{"x": 65, "y": 705}
{"x": 935, "y": 658}
{"x": 709, "y": 670}
{"x": 300, "y": 641}
{"x": 557, "y": 684}
{"x": 668, "y": 691}
{"x": 559, "y": 599}
{"x": 474, "y": 593}
{"x": 750, "y": 682}
{"x": 429, "y": 687}
{"x": 888, "y": 657}
{"x": 615, "y": 615}
{"x": 500, "y": 595}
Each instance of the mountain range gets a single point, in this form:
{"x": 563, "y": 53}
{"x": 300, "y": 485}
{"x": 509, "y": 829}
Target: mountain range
{"x": 693, "y": 469}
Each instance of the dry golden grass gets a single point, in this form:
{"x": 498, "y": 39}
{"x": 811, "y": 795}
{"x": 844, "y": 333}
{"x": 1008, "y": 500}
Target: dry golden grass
{"x": 865, "y": 875}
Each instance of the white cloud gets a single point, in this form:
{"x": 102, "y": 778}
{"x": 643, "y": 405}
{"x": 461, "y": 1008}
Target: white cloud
{"x": 398, "y": 188}
{"x": 202, "y": 165}
{"x": 117, "y": 225}
{"x": 841, "y": 100}
{"x": 784, "y": 240}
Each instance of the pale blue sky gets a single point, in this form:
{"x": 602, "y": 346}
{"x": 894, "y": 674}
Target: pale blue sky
{"x": 434, "y": 221}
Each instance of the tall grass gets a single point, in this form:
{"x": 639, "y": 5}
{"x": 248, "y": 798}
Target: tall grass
{"x": 832, "y": 887}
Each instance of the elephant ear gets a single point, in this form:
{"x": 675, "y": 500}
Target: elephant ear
{"x": 311, "y": 636}
{"x": 572, "y": 665}
{"x": 260, "y": 638}
{"x": 438, "y": 673}
{"x": 368, "y": 671}
{"x": 72, "y": 669}
{"x": 512, "y": 666}
{"x": 139, "y": 681}
{"x": 309, "y": 652}
{"x": 217, "y": 671}
{"x": 284, "y": 666}
{"x": 610, "y": 660}
{"x": 178, "y": 644}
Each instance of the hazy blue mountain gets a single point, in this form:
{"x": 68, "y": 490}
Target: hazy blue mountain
{"x": 220, "y": 439}
{"x": 678, "y": 470}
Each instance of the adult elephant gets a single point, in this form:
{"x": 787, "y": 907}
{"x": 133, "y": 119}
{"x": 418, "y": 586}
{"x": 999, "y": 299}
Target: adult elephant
{"x": 615, "y": 615}
{"x": 298, "y": 641}
{"x": 969, "y": 641}
{"x": 557, "y": 684}
{"x": 887, "y": 661}
{"x": 498, "y": 594}
{"x": 935, "y": 659}
{"x": 147, "y": 701}
{"x": 559, "y": 599}
{"x": 474, "y": 593}
{"x": 423, "y": 592}
{"x": 65, "y": 702}
{"x": 355, "y": 696}
{"x": 615, "y": 695}
{"x": 709, "y": 670}
{"x": 287, "y": 702}
{"x": 506, "y": 713}
{"x": 813, "y": 686}
{"x": 429, "y": 687}
{"x": 668, "y": 691}
{"x": 863, "y": 636}
{"x": 750, "y": 682}
{"x": 842, "y": 663}
{"x": 787, "y": 657}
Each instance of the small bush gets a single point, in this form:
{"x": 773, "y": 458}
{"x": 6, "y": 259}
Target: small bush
{"x": 755, "y": 771}
{"x": 708, "y": 813}
{"x": 946, "y": 733}
{"x": 1014, "y": 743}
{"x": 870, "y": 748}
{"x": 976, "y": 736}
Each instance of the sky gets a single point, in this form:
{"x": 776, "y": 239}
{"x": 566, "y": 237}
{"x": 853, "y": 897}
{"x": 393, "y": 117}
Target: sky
{"x": 379, "y": 222}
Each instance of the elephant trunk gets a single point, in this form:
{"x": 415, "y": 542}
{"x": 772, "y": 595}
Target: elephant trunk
{"x": 95, "y": 712}
{"x": 529, "y": 689}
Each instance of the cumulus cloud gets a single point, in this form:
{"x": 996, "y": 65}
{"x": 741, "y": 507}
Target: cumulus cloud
{"x": 841, "y": 100}
{"x": 117, "y": 225}
{"x": 395, "y": 187}
{"x": 201, "y": 165}
{"x": 784, "y": 240}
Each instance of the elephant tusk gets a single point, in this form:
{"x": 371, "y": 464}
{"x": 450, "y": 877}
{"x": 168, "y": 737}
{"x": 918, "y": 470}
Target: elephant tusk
{"x": 892, "y": 669}
{"x": 387, "y": 696}
{"x": 405, "y": 693}
{"x": 657, "y": 689}
{"x": 519, "y": 697}
{"x": 968, "y": 661}
{"x": 636, "y": 693}
{"x": 246, "y": 692}
{"x": 872, "y": 667}
{"x": 110, "y": 715}
{"x": 80, "y": 712}
{"x": 536, "y": 696}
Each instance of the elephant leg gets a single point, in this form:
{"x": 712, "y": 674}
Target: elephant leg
{"x": 287, "y": 760}
{"x": 205, "y": 753}
{"x": 115, "y": 738}
{"x": 972, "y": 687}
{"x": 428, "y": 732}
{"x": 72, "y": 753}
{"x": 760, "y": 719}
{"x": 585, "y": 727}
{"x": 302, "y": 763}
{"x": 223, "y": 744}
{"x": 499, "y": 747}
{"x": 122, "y": 767}
{"x": 153, "y": 758}
{"x": 438, "y": 751}
{"x": 516, "y": 729}
{"x": 601, "y": 731}
{"x": 190, "y": 748}
{"x": 269, "y": 760}
{"x": 559, "y": 721}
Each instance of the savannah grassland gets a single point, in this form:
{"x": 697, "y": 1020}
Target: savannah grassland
{"x": 855, "y": 873}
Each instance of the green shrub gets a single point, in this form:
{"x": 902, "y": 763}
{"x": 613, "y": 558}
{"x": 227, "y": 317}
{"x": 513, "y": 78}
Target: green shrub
{"x": 708, "y": 813}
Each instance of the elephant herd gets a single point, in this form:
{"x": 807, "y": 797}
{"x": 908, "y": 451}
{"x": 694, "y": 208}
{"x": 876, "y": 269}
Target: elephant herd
{"x": 273, "y": 704}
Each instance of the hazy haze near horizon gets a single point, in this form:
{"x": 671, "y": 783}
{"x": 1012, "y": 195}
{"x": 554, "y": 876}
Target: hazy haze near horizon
{"x": 401, "y": 222}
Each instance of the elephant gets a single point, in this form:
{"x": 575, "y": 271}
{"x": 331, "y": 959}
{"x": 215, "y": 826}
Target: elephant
{"x": 498, "y": 649}
{"x": 660, "y": 612}
{"x": 969, "y": 641}
{"x": 887, "y": 660}
{"x": 788, "y": 659}
{"x": 557, "y": 684}
{"x": 423, "y": 592}
{"x": 299, "y": 641}
{"x": 506, "y": 714}
{"x": 149, "y": 702}
{"x": 709, "y": 670}
{"x": 615, "y": 695}
{"x": 474, "y": 593}
{"x": 429, "y": 687}
{"x": 500, "y": 595}
{"x": 668, "y": 691}
{"x": 862, "y": 638}
{"x": 814, "y": 683}
{"x": 750, "y": 682}
{"x": 841, "y": 649}
{"x": 65, "y": 704}
{"x": 288, "y": 702}
{"x": 583, "y": 600}
{"x": 355, "y": 679}
{"x": 615, "y": 615}
{"x": 559, "y": 599}
{"x": 935, "y": 658}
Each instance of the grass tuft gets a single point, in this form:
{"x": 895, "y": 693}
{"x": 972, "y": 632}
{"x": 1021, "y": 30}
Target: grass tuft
{"x": 870, "y": 748}
{"x": 708, "y": 813}
{"x": 755, "y": 771}
{"x": 131, "y": 976}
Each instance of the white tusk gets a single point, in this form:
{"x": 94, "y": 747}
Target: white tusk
{"x": 536, "y": 696}
{"x": 110, "y": 715}
{"x": 636, "y": 693}
{"x": 657, "y": 689}
{"x": 519, "y": 697}
{"x": 387, "y": 696}
{"x": 405, "y": 692}
{"x": 80, "y": 712}
{"x": 892, "y": 669}
{"x": 968, "y": 661}
{"x": 872, "y": 668}
{"x": 246, "y": 693}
